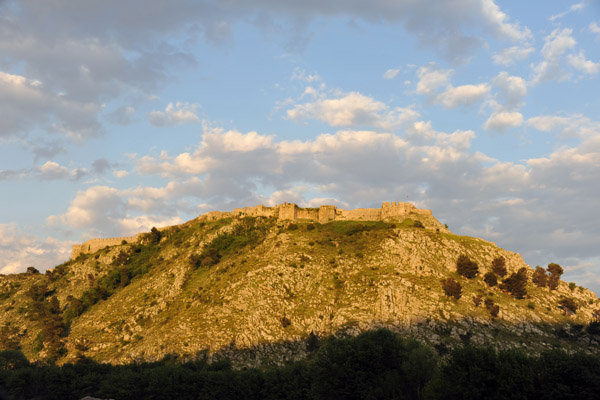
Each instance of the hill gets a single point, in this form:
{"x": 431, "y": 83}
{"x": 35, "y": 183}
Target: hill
{"x": 259, "y": 287}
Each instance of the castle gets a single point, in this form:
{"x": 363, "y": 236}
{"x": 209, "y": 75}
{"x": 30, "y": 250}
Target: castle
{"x": 283, "y": 212}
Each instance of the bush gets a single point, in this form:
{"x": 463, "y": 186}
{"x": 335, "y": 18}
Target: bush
{"x": 452, "y": 288}
{"x": 516, "y": 283}
{"x": 499, "y": 266}
{"x": 32, "y": 270}
{"x": 465, "y": 267}
{"x": 477, "y": 300}
{"x": 491, "y": 279}
{"x": 418, "y": 224}
{"x": 568, "y": 305}
{"x": 539, "y": 277}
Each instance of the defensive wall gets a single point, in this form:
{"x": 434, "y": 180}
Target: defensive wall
{"x": 291, "y": 212}
{"x": 93, "y": 245}
{"x": 393, "y": 211}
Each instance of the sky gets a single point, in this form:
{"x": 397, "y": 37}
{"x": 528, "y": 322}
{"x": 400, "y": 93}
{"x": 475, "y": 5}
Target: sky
{"x": 117, "y": 116}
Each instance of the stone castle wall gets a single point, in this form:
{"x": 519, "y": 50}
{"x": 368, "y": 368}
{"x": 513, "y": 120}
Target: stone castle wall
{"x": 283, "y": 212}
{"x": 93, "y": 245}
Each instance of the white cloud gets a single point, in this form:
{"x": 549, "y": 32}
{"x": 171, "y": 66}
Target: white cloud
{"x": 594, "y": 27}
{"x": 555, "y": 45}
{"x": 52, "y": 170}
{"x": 501, "y": 121}
{"x": 498, "y": 19}
{"x": 431, "y": 77}
{"x": 391, "y": 73}
{"x": 435, "y": 84}
{"x": 559, "y": 41}
{"x": 175, "y": 114}
{"x": 19, "y": 250}
{"x": 572, "y": 8}
{"x": 512, "y": 91}
{"x": 463, "y": 95}
{"x": 582, "y": 64}
{"x": 352, "y": 110}
{"x": 510, "y": 55}
{"x": 575, "y": 125}
{"x": 302, "y": 75}
{"x": 119, "y": 173}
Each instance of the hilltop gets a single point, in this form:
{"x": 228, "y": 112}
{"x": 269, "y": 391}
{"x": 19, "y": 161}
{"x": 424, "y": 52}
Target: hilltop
{"x": 260, "y": 284}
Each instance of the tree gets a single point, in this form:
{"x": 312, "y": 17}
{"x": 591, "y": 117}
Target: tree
{"x": 539, "y": 277}
{"x": 466, "y": 267}
{"x": 155, "y": 235}
{"x": 515, "y": 284}
{"x": 491, "y": 279}
{"x": 452, "y": 288}
{"x": 499, "y": 266}
{"x": 555, "y": 272}
{"x": 32, "y": 270}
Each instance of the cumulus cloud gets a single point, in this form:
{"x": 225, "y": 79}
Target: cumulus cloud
{"x": 584, "y": 65}
{"x": 19, "y": 250}
{"x": 512, "y": 89}
{"x": 574, "y": 125}
{"x": 594, "y": 27}
{"x": 352, "y": 110}
{"x": 52, "y": 170}
{"x": 501, "y": 121}
{"x": 511, "y": 55}
{"x": 175, "y": 114}
{"x": 463, "y": 95}
{"x": 555, "y": 45}
{"x": 435, "y": 84}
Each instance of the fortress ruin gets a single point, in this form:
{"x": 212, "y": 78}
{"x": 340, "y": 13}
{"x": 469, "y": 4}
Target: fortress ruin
{"x": 323, "y": 214}
{"x": 393, "y": 211}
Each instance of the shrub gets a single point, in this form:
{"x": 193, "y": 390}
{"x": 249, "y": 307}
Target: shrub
{"x": 515, "y": 284}
{"x": 466, "y": 267}
{"x": 285, "y": 321}
{"x": 568, "y": 305}
{"x": 572, "y": 286}
{"x": 418, "y": 224}
{"x": 493, "y": 309}
{"x": 477, "y": 300}
{"x": 452, "y": 288}
{"x": 499, "y": 266}
{"x": 491, "y": 279}
{"x": 32, "y": 270}
{"x": 539, "y": 277}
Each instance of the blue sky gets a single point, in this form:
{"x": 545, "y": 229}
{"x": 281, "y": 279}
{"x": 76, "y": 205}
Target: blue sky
{"x": 119, "y": 116}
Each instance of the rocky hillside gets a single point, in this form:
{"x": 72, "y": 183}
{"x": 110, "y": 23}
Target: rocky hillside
{"x": 261, "y": 290}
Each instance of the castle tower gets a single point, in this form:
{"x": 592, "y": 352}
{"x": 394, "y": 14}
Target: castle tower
{"x": 288, "y": 211}
{"x": 326, "y": 214}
